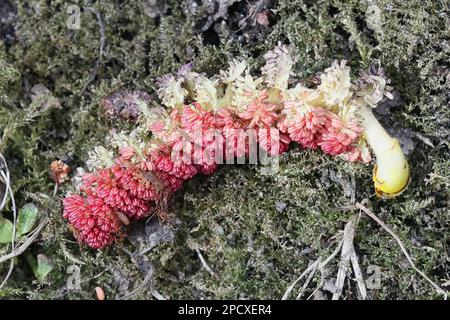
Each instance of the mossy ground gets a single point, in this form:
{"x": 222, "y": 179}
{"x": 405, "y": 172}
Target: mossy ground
{"x": 257, "y": 232}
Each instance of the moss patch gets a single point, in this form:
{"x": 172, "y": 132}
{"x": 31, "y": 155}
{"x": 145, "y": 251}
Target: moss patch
{"x": 258, "y": 233}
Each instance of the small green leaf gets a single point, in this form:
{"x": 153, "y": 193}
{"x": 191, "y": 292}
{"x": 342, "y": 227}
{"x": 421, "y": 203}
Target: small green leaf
{"x": 44, "y": 267}
{"x": 41, "y": 266}
{"x": 28, "y": 216}
{"x": 6, "y": 230}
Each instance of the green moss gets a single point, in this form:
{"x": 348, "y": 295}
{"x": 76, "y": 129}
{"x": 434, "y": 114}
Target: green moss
{"x": 257, "y": 232}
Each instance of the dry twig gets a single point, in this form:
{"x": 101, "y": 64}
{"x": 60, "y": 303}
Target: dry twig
{"x": 19, "y": 250}
{"x": 438, "y": 289}
{"x": 4, "y": 173}
{"x": 204, "y": 263}
{"x": 312, "y": 268}
{"x": 348, "y": 255}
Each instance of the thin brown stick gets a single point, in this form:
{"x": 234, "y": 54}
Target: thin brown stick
{"x": 308, "y": 280}
{"x": 205, "y": 264}
{"x": 402, "y": 247}
{"x": 358, "y": 274}
{"x": 19, "y": 250}
{"x": 156, "y": 294}
{"x": 147, "y": 278}
{"x": 311, "y": 270}
{"x": 6, "y": 178}
{"x": 311, "y": 267}
{"x": 347, "y": 250}
{"x": 323, "y": 265}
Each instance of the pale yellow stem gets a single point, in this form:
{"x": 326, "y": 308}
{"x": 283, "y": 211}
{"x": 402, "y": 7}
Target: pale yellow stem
{"x": 391, "y": 172}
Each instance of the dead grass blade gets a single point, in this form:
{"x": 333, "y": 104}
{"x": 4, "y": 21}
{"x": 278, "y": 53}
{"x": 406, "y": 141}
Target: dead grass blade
{"x": 368, "y": 212}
